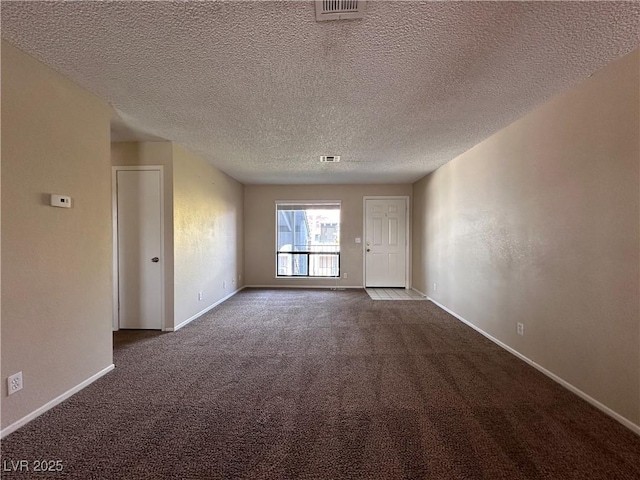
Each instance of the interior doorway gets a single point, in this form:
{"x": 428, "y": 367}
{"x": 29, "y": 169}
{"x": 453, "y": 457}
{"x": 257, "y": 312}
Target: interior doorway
{"x": 138, "y": 248}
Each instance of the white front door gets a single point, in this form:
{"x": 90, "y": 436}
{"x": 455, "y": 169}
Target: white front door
{"x": 385, "y": 242}
{"x": 139, "y": 249}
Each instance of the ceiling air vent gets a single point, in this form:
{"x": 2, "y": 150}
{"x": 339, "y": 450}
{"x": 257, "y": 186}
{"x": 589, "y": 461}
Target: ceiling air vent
{"x": 339, "y": 9}
{"x": 330, "y": 158}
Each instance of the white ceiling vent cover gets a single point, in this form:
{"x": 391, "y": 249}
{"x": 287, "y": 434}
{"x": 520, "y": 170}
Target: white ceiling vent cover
{"x": 330, "y": 158}
{"x": 339, "y": 9}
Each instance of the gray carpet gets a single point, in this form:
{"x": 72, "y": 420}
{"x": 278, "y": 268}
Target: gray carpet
{"x": 323, "y": 385}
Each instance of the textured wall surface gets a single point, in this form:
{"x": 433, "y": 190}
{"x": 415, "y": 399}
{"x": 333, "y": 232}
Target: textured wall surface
{"x": 261, "y": 89}
{"x": 539, "y": 224}
{"x": 203, "y": 226}
{"x": 208, "y": 234}
{"x": 56, "y": 262}
{"x": 260, "y": 229}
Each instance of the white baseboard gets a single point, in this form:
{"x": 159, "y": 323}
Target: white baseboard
{"x": 306, "y": 286}
{"x": 600, "y": 406}
{"x": 421, "y": 293}
{"x": 202, "y": 312}
{"x": 59, "y": 399}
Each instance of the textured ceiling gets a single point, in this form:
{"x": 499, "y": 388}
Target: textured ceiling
{"x": 261, "y": 89}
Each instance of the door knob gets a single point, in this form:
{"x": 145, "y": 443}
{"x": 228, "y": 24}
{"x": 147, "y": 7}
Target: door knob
{"x": 155, "y": 259}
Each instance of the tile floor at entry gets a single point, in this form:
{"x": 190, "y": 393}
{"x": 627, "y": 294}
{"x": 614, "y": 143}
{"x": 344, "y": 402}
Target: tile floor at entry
{"x": 394, "y": 294}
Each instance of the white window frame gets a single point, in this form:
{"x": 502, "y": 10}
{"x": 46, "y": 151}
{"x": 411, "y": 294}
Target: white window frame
{"x": 307, "y": 202}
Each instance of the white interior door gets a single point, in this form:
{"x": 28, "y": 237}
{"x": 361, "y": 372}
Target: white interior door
{"x": 139, "y": 249}
{"x": 385, "y": 242}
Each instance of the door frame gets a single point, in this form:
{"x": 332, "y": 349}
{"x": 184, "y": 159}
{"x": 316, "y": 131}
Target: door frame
{"x": 407, "y": 268}
{"x": 114, "y": 209}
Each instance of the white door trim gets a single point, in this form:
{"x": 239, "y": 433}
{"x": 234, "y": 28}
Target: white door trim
{"x": 114, "y": 210}
{"x": 407, "y": 273}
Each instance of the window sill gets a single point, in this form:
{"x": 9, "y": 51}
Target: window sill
{"x": 303, "y": 277}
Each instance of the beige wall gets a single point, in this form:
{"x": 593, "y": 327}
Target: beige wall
{"x": 260, "y": 230}
{"x": 155, "y": 153}
{"x": 208, "y": 234}
{"x": 540, "y": 224}
{"x": 56, "y": 263}
{"x": 203, "y": 227}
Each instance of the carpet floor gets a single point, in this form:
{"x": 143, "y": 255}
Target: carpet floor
{"x": 323, "y": 385}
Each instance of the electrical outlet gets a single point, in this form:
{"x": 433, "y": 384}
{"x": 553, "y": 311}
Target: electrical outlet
{"x": 239, "y": 277}
{"x": 345, "y": 275}
{"x": 520, "y": 328}
{"x": 199, "y": 295}
{"x": 224, "y": 284}
{"x": 435, "y": 287}
{"x": 14, "y": 383}
{"x": 233, "y": 281}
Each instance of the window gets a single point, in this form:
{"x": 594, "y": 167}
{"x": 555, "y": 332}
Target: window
{"x": 308, "y": 243}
